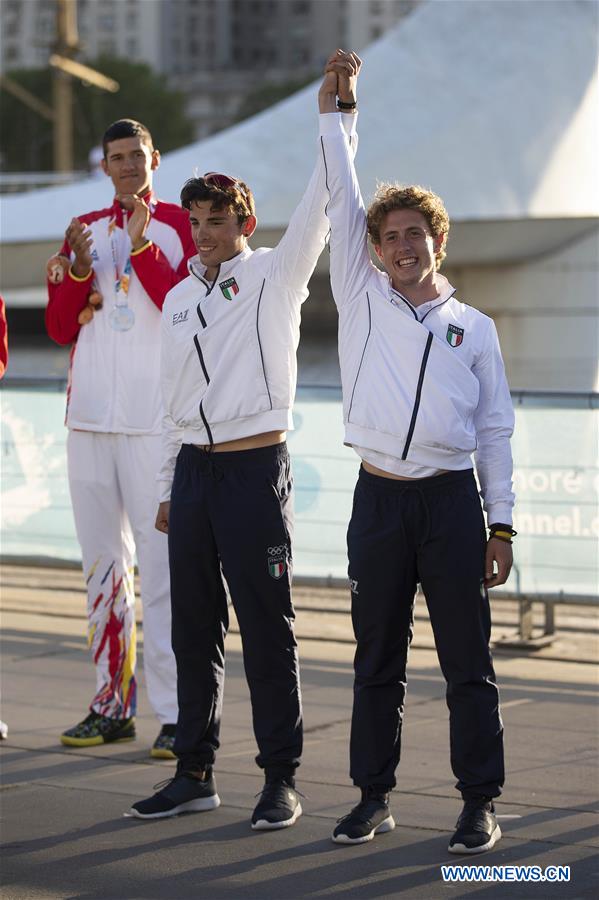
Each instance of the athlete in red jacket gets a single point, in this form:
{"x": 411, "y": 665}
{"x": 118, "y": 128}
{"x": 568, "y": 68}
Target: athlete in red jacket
{"x": 106, "y": 288}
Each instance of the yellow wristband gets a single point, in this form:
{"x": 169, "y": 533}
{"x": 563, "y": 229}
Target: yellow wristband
{"x": 142, "y": 248}
{"x": 502, "y": 534}
{"x": 80, "y": 278}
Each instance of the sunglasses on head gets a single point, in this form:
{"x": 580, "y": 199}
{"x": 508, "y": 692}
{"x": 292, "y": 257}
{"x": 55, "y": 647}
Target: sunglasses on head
{"x": 224, "y": 181}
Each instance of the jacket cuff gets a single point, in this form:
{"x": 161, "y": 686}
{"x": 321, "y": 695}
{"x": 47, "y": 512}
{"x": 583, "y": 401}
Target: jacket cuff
{"x": 499, "y": 512}
{"x": 141, "y": 249}
{"x": 77, "y": 278}
{"x": 330, "y": 123}
{"x": 164, "y": 491}
{"x": 349, "y": 122}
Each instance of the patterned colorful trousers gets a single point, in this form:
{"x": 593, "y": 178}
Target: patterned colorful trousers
{"x": 111, "y": 480}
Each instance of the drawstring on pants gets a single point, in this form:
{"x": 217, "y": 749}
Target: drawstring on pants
{"x": 422, "y": 495}
{"x": 203, "y": 460}
{"x": 209, "y": 465}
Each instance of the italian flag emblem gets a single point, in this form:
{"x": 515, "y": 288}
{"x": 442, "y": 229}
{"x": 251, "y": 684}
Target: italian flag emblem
{"x": 276, "y": 568}
{"x": 229, "y": 288}
{"x": 454, "y": 335}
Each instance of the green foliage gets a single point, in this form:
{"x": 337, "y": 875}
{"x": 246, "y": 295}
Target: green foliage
{"x": 26, "y": 138}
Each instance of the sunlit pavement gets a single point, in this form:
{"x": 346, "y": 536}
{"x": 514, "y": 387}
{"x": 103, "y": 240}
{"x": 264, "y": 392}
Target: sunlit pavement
{"x": 65, "y": 836}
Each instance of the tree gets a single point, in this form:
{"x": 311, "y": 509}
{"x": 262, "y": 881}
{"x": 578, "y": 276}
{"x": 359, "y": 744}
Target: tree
{"x": 26, "y": 138}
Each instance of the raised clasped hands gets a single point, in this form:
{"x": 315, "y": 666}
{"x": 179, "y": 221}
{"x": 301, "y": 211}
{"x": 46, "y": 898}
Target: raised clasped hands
{"x": 346, "y": 64}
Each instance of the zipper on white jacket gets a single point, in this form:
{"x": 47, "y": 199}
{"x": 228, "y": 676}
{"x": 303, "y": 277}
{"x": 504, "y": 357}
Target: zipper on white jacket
{"x": 260, "y": 342}
{"x": 427, "y": 350}
{"x": 201, "y": 358}
{"x": 206, "y": 425}
{"x": 361, "y": 358}
{"x": 201, "y": 315}
{"x": 407, "y": 303}
{"x": 200, "y": 354}
{"x": 207, "y": 377}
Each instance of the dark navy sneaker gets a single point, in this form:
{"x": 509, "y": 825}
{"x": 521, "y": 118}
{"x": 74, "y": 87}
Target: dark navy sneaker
{"x": 476, "y": 829}
{"x": 96, "y": 729}
{"x": 163, "y": 746}
{"x": 186, "y": 792}
{"x": 278, "y": 806}
{"x": 371, "y": 816}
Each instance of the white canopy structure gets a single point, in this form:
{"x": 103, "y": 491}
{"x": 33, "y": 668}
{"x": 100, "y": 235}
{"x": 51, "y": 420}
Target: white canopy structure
{"x": 494, "y": 105}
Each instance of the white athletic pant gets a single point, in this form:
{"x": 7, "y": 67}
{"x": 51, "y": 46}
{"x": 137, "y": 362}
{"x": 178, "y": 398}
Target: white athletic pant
{"x": 112, "y": 479}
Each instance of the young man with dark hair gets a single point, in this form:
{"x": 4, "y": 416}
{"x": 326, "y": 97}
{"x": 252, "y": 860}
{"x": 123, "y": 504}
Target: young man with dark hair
{"x": 126, "y": 128}
{"x": 106, "y": 289}
{"x": 423, "y": 389}
{"x": 230, "y": 335}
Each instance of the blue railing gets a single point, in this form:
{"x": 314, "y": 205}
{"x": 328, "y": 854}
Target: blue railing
{"x": 556, "y": 483}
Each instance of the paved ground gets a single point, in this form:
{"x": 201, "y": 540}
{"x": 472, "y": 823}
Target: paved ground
{"x": 65, "y": 835}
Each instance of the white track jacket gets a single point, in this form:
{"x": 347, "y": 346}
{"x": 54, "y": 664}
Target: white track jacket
{"x": 228, "y": 358}
{"x": 431, "y": 392}
{"x": 114, "y": 383}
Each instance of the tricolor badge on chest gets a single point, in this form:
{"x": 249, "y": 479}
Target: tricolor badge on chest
{"x": 454, "y": 335}
{"x": 229, "y": 288}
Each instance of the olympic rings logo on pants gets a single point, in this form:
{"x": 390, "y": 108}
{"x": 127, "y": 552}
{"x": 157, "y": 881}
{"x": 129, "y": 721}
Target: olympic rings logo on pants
{"x": 274, "y": 551}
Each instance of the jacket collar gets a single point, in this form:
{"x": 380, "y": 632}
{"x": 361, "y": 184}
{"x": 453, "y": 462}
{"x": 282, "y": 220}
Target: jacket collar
{"x": 446, "y": 292}
{"x": 196, "y": 268}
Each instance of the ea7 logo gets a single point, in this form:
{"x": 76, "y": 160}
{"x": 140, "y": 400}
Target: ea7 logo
{"x": 180, "y": 317}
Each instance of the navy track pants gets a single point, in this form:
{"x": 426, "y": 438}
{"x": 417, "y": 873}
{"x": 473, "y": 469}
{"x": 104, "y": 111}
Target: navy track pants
{"x": 429, "y": 530}
{"x": 234, "y": 510}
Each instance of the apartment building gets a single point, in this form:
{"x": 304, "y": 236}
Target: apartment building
{"x": 216, "y": 51}
{"x": 128, "y": 28}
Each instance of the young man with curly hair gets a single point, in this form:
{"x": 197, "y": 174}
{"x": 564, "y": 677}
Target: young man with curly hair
{"x": 423, "y": 389}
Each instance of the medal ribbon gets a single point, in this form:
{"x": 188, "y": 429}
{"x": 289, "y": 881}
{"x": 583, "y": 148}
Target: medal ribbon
{"x": 121, "y": 282}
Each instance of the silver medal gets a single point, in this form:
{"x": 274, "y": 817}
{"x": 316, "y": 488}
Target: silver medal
{"x": 121, "y": 318}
